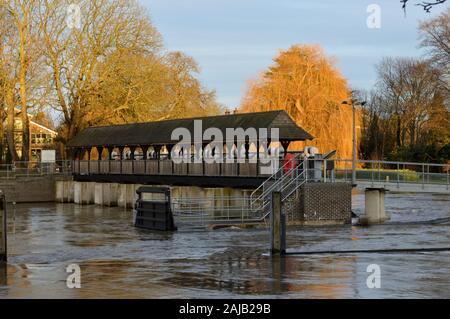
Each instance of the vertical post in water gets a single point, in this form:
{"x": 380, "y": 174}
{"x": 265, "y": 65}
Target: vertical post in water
{"x": 3, "y": 228}
{"x": 277, "y": 226}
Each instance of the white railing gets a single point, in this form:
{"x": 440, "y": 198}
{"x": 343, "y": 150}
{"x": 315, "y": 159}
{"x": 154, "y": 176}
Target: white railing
{"x": 214, "y": 209}
{"x": 33, "y": 169}
{"x": 393, "y": 172}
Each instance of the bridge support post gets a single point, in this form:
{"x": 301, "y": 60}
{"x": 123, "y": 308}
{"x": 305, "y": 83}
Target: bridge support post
{"x": 374, "y": 206}
{"x": 84, "y": 193}
{"x": 59, "y": 192}
{"x": 106, "y": 194}
{"x": 277, "y": 226}
{"x": 126, "y": 195}
{"x": 64, "y": 191}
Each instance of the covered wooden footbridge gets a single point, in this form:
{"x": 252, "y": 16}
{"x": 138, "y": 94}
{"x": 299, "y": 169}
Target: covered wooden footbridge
{"x": 141, "y": 153}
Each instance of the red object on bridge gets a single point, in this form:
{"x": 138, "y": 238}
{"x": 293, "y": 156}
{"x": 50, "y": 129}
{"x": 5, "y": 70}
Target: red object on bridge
{"x": 289, "y": 162}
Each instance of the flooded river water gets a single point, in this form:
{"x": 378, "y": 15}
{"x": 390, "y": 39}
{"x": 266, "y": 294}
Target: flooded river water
{"x": 119, "y": 261}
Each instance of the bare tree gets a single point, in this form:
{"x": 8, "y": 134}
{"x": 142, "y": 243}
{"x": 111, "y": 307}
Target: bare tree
{"x": 409, "y": 101}
{"x": 426, "y": 5}
{"x": 24, "y": 51}
{"x": 108, "y": 67}
{"x": 7, "y": 84}
{"x": 74, "y": 55}
{"x": 435, "y": 36}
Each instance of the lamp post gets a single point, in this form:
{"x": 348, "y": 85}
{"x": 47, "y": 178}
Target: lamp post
{"x": 353, "y": 104}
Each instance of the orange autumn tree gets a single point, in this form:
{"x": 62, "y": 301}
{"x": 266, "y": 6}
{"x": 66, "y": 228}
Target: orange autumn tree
{"x": 304, "y": 82}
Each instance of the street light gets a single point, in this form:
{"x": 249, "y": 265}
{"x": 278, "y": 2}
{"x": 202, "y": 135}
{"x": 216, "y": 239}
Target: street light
{"x": 353, "y": 104}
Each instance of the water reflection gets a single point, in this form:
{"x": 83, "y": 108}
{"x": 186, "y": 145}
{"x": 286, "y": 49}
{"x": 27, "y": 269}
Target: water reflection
{"x": 3, "y": 278}
{"x": 278, "y": 268}
{"x": 120, "y": 261}
{"x": 276, "y": 276}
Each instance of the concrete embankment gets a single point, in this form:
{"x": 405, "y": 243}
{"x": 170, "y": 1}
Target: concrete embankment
{"x": 124, "y": 195}
{"x": 31, "y": 189}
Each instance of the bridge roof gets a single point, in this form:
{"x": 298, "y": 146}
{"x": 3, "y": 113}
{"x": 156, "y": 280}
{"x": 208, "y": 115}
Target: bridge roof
{"x": 160, "y": 133}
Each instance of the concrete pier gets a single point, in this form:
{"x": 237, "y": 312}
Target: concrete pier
{"x": 124, "y": 195}
{"x": 64, "y": 191}
{"x": 103, "y": 194}
{"x": 106, "y": 194}
{"x": 84, "y": 193}
{"x": 127, "y": 195}
{"x": 374, "y": 206}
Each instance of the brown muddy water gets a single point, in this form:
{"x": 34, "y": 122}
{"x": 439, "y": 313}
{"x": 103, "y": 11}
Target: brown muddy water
{"x": 119, "y": 261}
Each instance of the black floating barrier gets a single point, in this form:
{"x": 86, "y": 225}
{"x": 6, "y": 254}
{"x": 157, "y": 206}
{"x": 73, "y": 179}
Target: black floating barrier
{"x": 153, "y": 210}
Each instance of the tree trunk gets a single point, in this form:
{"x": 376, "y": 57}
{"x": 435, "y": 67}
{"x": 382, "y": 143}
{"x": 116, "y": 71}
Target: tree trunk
{"x": 398, "y": 133}
{"x": 412, "y": 135}
{"x": 23, "y": 89}
{"x": 10, "y": 125}
{"x": 25, "y": 136}
{"x": 2, "y": 137}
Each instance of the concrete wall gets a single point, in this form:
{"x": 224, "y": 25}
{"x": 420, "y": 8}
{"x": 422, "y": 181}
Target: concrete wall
{"x": 31, "y": 189}
{"x": 104, "y": 194}
{"x": 124, "y": 195}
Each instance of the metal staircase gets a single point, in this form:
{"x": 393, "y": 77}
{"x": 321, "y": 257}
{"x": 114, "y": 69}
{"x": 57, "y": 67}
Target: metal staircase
{"x": 233, "y": 210}
{"x": 287, "y": 181}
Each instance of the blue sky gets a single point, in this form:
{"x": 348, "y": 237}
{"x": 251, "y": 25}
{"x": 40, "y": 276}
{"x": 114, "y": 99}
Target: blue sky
{"x": 234, "y": 40}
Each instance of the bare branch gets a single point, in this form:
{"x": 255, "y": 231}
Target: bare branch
{"x": 427, "y": 6}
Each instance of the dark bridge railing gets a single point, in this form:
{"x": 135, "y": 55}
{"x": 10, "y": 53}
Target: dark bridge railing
{"x": 168, "y": 167}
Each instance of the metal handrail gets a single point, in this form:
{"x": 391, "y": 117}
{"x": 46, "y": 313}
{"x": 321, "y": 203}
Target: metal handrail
{"x": 394, "y": 162}
{"x": 398, "y": 173}
{"x": 273, "y": 177}
{"x": 198, "y": 209}
{"x": 304, "y": 178}
{"x": 281, "y": 186}
{"x": 31, "y": 169}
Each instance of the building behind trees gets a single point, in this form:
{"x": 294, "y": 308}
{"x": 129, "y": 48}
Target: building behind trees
{"x": 41, "y": 138}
